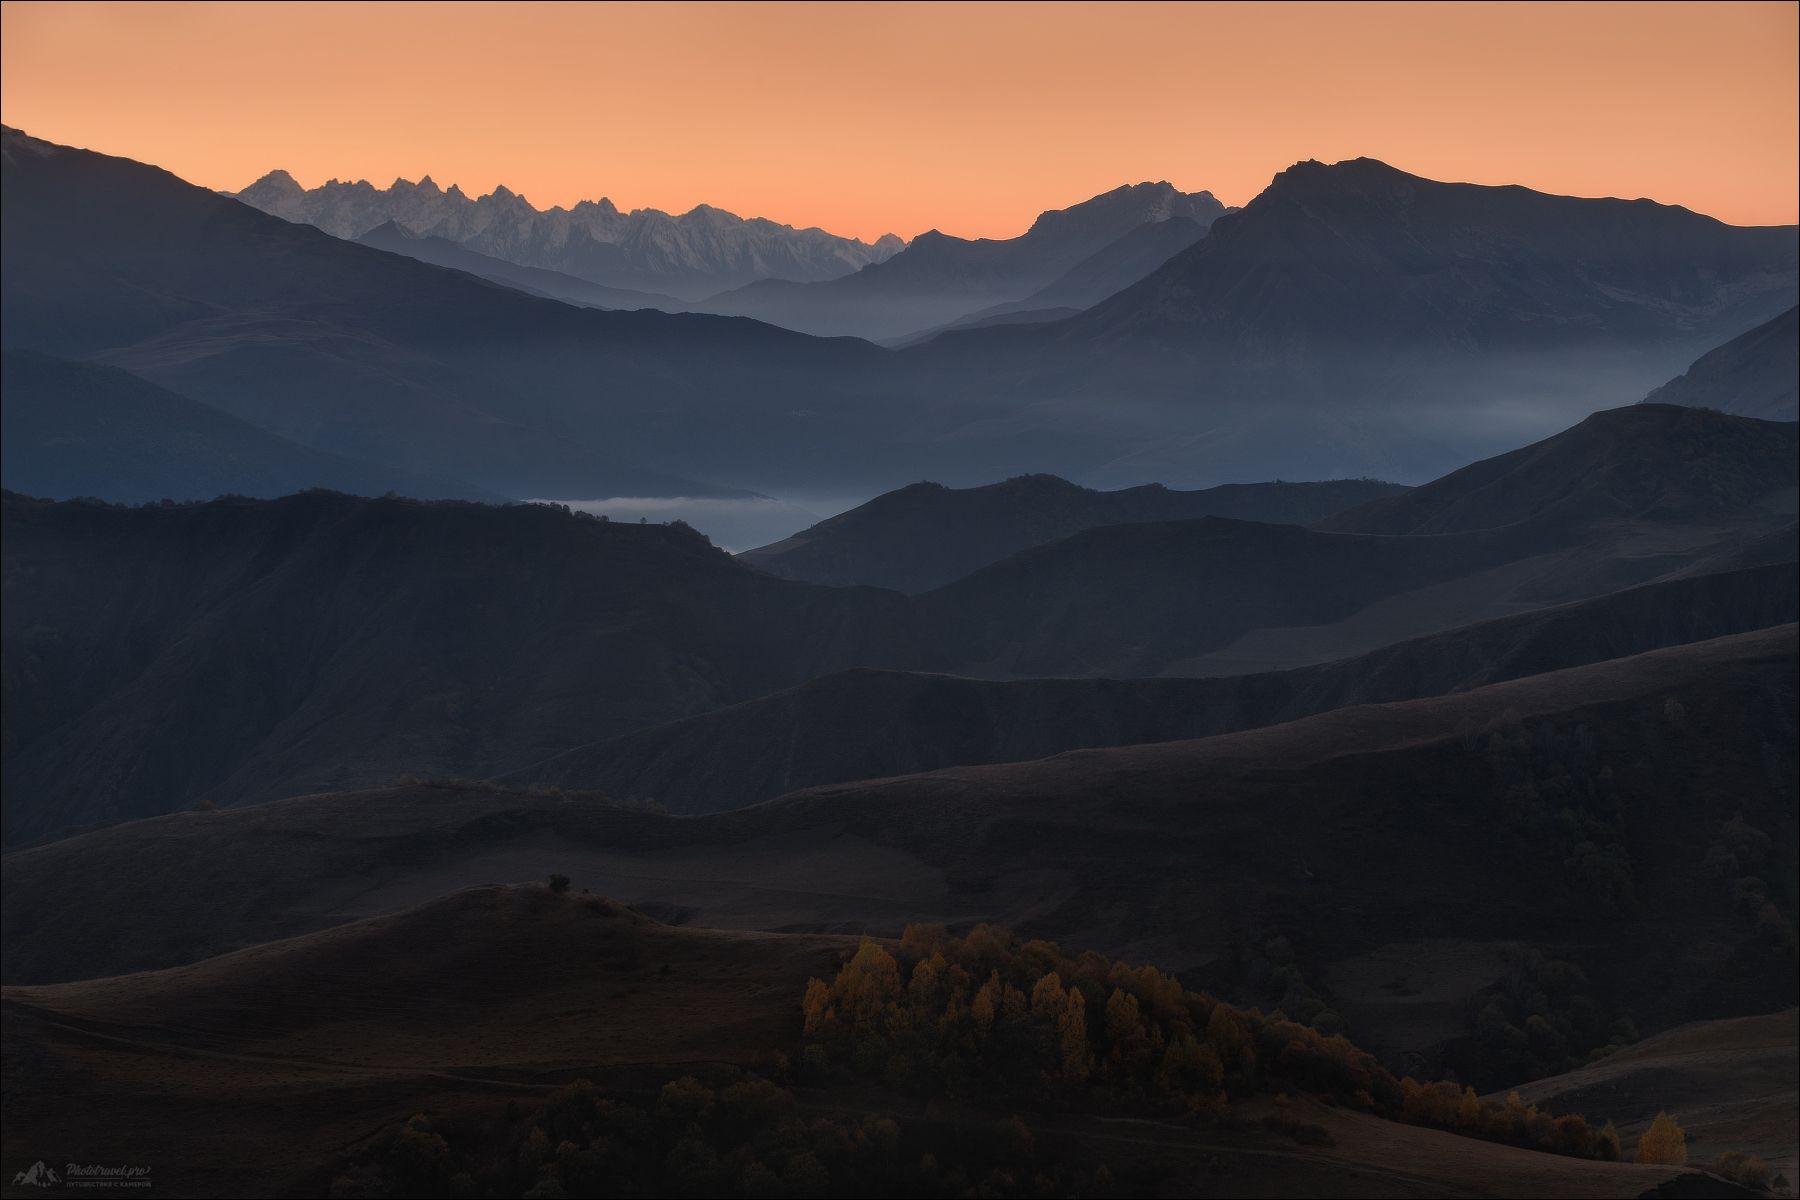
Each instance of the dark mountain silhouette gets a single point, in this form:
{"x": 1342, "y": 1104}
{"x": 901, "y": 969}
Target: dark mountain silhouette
{"x": 1754, "y": 375}
{"x": 691, "y": 255}
{"x": 158, "y": 657}
{"x": 1359, "y": 250}
{"x": 1455, "y": 842}
{"x": 939, "y": 278}
{"x": 1360, "y": 318}
{"x": 372, "y": 355}
{"x": 1217, "y": 597}
{"x": 442, "y": 252}
{"x": 866, "y": 724}
{"x": 80, "y": 429}
{"x": 325, "y": 642}
{"x": 927, "y": 535}
{"x": 1649, "y": 461}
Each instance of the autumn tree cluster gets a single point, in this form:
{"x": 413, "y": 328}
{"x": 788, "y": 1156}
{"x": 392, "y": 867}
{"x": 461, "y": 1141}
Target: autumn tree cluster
{"x": 989, "y": 1016}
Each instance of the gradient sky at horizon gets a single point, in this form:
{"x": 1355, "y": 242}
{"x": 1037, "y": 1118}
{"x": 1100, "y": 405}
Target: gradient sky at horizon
{"x": 865, "y": 119}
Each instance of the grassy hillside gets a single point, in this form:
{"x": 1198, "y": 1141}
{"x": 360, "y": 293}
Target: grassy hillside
{"x": 1618, "y": 835}
{"x": 474, "y": 1035}
{"x": 864, "y": 724}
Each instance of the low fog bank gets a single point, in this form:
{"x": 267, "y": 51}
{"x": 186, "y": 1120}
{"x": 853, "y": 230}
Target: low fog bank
{"x": 734, "y": 524}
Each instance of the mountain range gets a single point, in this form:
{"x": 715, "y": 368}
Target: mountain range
{"x": 693, "y": 255}
{"x": 322, "y": 642}
{"x": 926, "y": 535}
{"x": 1350, "y": 321}
{"x": 376, "y": 818}
{"x": 939, "y": 278}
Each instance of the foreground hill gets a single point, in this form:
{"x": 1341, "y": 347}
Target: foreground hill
{"x": 927, "y": 535}
{"x": 160, "y": 657}
{"x": 692, "y": 254}
{"x": 1732, "y": 1082}
{"x": 1754, "y": 375}
{"x": 81, "y": 429}
{"x": 939, "y": 278}
{"x": 448, "y": 1029}
{"x": 866, "y": 724}
{"x": 1403, "y": 867}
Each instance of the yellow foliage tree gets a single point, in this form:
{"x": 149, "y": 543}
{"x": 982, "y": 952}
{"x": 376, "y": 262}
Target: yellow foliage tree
{"x": 816, "y": 1005}
{"x": 1071, "y": 1029}
{"x": 1468, "y": 1111}
{"x": 868, "y": 981}
{"x": 1664, "y": 1143}
{"x": 987, "y": 1003}
{"x": 1047, "y": 996}
{"x": 1121, "y": 1016}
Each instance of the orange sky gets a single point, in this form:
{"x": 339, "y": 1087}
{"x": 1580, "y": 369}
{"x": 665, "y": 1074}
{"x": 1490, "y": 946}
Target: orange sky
{"x": 970, "y": 118}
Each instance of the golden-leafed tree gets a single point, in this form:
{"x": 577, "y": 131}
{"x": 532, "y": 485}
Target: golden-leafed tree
{"x": 816, "y": 1006}
{"x": 1072, "y": 1038}
{"x": 1665, "y": 1142}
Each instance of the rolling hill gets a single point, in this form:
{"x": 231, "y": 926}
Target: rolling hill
{"x": 1657, "y": 462}
{"x": 321, "y": 642}
{"x": 1456, "y": 844}
{"x": 469, "y": 1016}
{"x": 1732, "y": 1081}
{"x": 864, "y": 724}
{"x": 163, "y": 656}
{"x": 924, "y": 536}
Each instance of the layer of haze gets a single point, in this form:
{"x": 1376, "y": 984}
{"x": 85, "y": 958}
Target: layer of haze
{"x": 971, "y": 118}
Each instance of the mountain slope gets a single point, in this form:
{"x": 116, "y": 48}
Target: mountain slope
{"x": 81, "y": 429}
{"x": 1356, "y": 320}
{"x": 1732, "y": 1081}
{"x": 243, "y": 650}
{"x": 372, "y": 355}
{"x": 1106, "y": 272}
{"x": 868, "y": 724}
{"x": 1426, "y": 840}
{"x": 927, "y": 535}
{"x": 457, "y": 1023}
{"x": 1753, "y": 375}
{"x": 442, "y": 252}
{"x": 939, "y": 278}
{"x": 236, "y": 650}
{"x": 691, "y": 255}
{"x": 1650, "y": 460}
